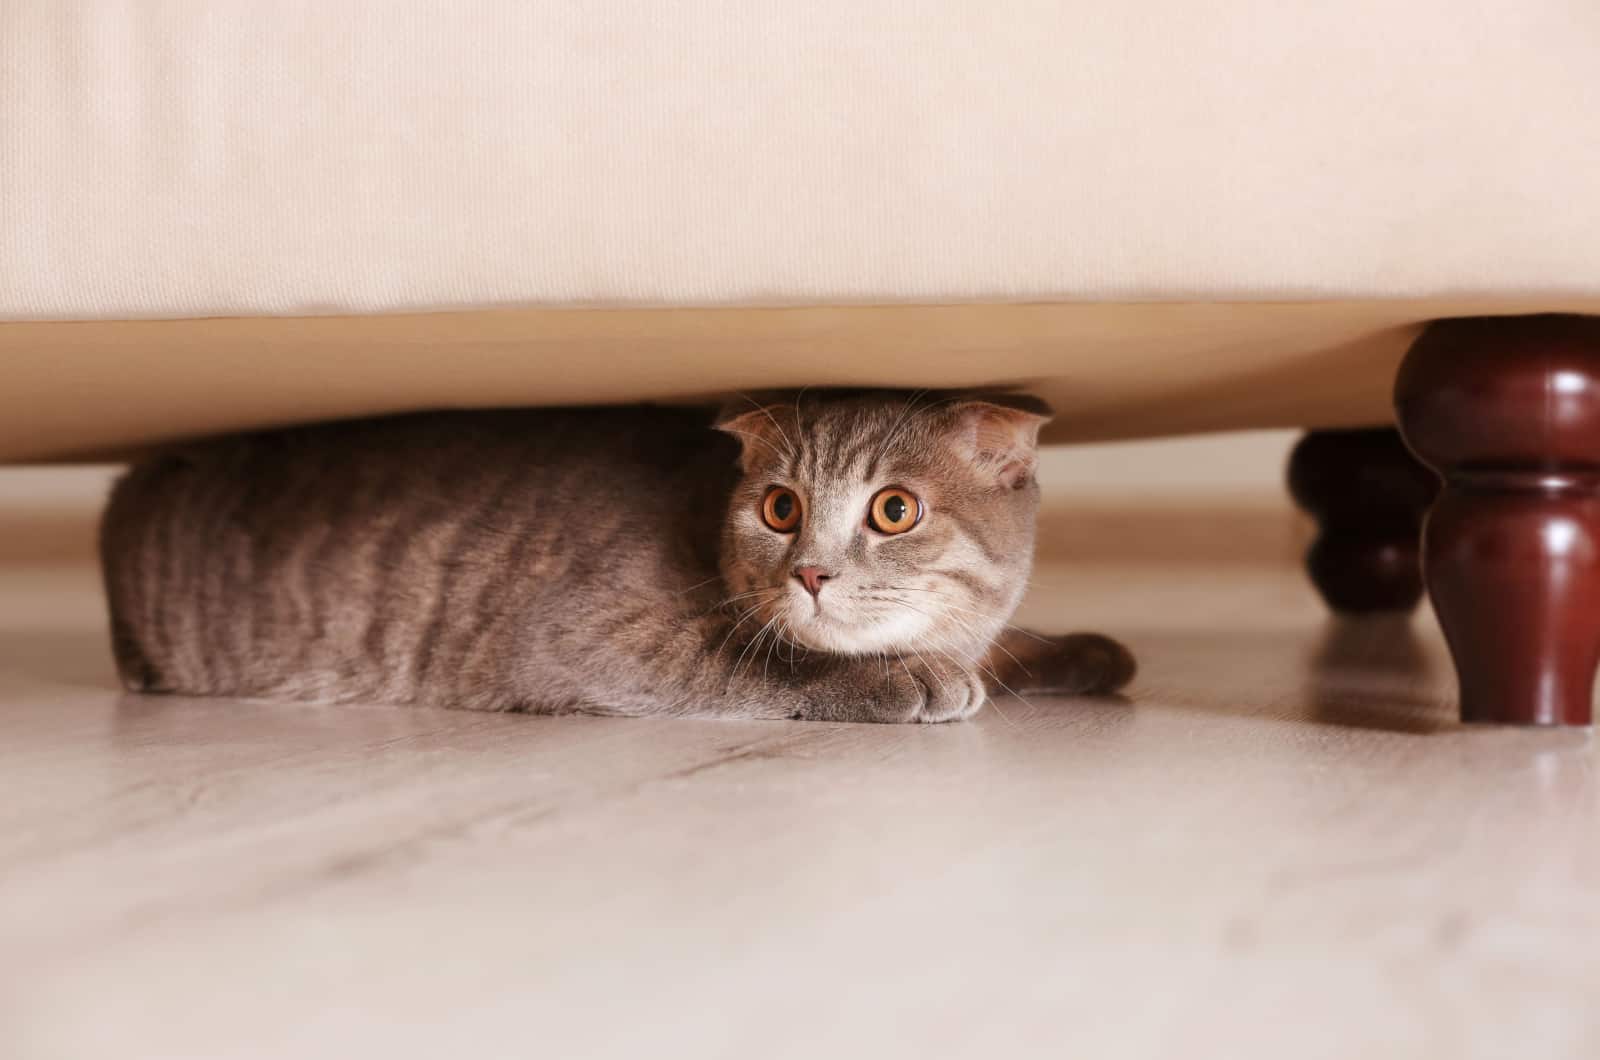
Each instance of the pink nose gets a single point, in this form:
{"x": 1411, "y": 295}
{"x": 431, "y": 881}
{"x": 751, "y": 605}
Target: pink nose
{"x": 812, "y": 578}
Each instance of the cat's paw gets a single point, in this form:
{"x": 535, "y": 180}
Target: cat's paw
{"x": 951, "y": 691}
{"x": 1081, "y": 664}
{"x": 898, "y": 692}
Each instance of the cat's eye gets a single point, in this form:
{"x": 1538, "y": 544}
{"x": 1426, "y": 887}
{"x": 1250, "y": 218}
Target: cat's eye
{"x": 780, "y": 509}
{"x": 894, "y": 511}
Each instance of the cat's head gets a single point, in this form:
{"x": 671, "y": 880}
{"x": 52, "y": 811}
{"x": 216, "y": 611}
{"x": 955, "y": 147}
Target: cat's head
{"x": 882, "y": 521}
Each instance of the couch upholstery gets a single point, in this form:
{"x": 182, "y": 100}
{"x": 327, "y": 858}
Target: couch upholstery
{"x": 493, "y": 201}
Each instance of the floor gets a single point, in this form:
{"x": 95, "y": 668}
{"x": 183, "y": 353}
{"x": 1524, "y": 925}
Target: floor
{"x": 1279, "y": 844}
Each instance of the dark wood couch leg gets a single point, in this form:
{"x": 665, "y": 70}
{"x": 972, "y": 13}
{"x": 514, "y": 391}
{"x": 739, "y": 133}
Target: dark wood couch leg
{"x": 1507, "y": 409}
{"x": 1368, "y": 495}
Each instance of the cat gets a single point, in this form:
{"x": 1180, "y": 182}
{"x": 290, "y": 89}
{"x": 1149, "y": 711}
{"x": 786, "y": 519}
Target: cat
{"x": 829, "y": 555}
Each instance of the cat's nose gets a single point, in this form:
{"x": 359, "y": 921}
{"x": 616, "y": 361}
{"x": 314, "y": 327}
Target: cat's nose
{"x": 812, "y": 578}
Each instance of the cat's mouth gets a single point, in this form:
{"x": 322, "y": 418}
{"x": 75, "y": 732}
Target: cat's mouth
{"x": 834, "y": 626}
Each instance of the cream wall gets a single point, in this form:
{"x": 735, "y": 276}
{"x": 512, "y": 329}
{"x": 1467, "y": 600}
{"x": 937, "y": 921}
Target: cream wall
{"x": 1211, "y": 470}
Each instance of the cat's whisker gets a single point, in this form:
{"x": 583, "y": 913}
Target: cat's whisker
{"x": 924, "y": 642}
{"x": 760, "y": 600}
{"x": 996, "y": 644}
{"x": 1007, "y": 688}
{"x": 987, "y": 616}
{"x": 921, "y": 589}
{"x": 745, "y": 650}
{"x": 937, "y": 676}
{"x": 775, "y": 645}
{"x": 743, "y": 618}
{"x": 775, "y": 424}
{"x": 906, "y": 415}
{"x": 900, "y": 424}
{"x": 746, "y": 595}
{"x": 760, "y": 635}
{"x": 906, "y": 668}
{"x": 757, "y": 438}
{"x": 898, "y": 602}
{"x": 783, "y": 634}
{"x": 994, "y": 704}
{"x": 994, "y": 677}
{"x": 777, "y": 639}
{"x": 1030, "y": 634}
{"x": 799, "y": 422}
{"x": 744, "y": 614}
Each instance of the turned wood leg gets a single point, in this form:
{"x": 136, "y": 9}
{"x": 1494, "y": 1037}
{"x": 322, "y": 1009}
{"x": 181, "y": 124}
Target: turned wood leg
{"x": 1368, "y": 495}
{"x": 1507, "y": 410}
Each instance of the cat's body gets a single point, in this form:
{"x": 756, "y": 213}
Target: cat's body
{"x": 603, "y": 560}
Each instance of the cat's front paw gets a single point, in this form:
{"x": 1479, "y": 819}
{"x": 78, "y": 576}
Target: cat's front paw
{"x": 898, "y": 692}
{"x": 950, "y": 690}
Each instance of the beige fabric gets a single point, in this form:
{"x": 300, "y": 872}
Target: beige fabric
{"x": 192, "y": 158}
{"x": 79, "y": 389}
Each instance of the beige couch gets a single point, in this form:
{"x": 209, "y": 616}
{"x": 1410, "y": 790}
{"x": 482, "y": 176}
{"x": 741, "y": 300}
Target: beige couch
{"x": 1166, "y": 216}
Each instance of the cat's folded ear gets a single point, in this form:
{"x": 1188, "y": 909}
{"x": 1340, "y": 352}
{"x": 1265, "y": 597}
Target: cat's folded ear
{"x": 755, "y": 423}
{"x": 999, "y": 434}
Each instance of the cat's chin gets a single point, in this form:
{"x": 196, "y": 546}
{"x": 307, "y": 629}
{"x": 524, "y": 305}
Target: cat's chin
{"x": 823, "y": 632}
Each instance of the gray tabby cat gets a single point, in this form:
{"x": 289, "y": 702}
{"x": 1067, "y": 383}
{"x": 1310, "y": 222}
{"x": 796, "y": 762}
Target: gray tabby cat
{"x": 847, "y": 556}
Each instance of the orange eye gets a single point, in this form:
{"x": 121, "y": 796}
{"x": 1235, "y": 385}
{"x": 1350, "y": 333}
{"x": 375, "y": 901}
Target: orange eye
{"x": 894, "y": 511}
{"x": 780, "y": 509}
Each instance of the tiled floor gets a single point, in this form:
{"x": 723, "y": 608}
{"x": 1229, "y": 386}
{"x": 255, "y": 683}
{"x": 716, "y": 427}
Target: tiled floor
{"x": 1279, "y": 845}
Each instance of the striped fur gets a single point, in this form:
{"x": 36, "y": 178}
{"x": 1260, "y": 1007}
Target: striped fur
{"x": 600, "y": 560}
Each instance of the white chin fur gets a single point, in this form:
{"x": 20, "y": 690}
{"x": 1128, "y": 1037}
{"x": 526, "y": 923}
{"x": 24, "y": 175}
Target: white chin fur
{"x": 837, "y": 633}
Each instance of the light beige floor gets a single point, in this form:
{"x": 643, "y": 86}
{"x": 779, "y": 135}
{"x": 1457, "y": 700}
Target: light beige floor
{"x": 1279, "y": 845}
